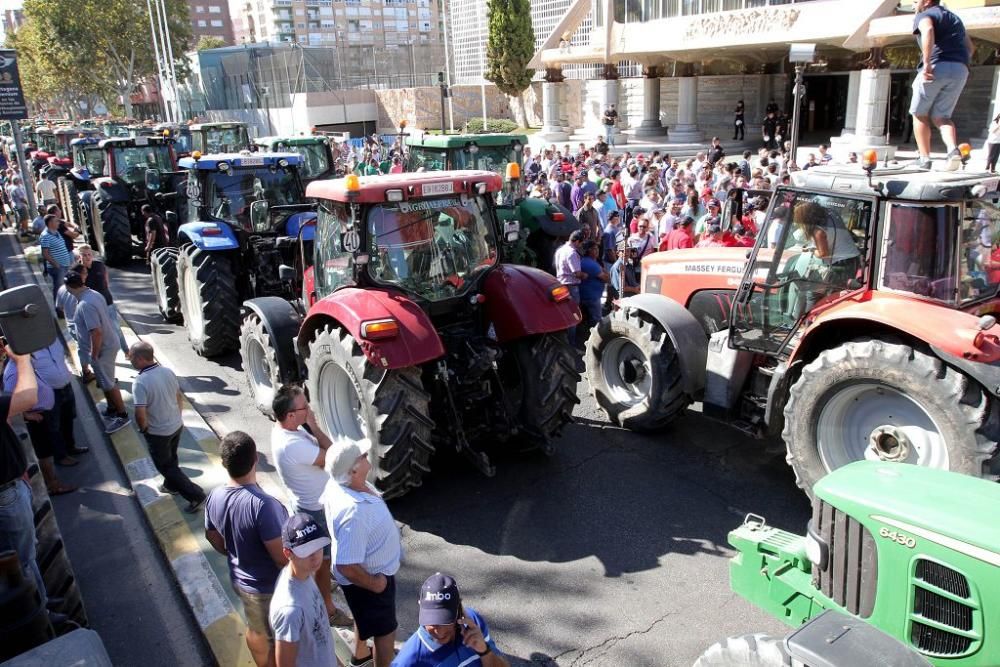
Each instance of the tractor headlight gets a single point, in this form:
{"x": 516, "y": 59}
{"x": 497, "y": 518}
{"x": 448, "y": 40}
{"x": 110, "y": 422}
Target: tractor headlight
{"x": 817, "y": 551}
{"x": 282, "y": 163}
{"x": 223, "y": 166}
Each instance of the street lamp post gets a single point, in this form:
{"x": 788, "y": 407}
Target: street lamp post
{"x": 800, "y": 55}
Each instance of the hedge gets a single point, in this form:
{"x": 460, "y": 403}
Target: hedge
{"x": 498, "y": 125}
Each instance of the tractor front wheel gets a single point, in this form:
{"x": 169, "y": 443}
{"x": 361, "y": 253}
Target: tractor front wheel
{"x": 163, "y": 266}
{"x": 634, "y": 372}
{"x": 882, "y": 400}
{"x": 209, "y": 301}
{"x": 116, "y": 233}
{"x": 260, "y": 363}
{"x": 545, "y": 391}
{"x": 757, "y": 650}
{"x": 354, "y": 399}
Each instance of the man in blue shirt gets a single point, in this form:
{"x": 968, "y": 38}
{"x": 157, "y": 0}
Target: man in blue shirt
{"x": 56, "y": 254}
{"x": 449, "y": 635}
{"x": 592, "y": 287}
{"x": 946, "y": 53}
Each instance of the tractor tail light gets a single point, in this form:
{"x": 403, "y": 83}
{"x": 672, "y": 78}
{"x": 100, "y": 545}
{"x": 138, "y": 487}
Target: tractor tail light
{"x": 106, "y": 185}
{"x": 211, "y": 231}
{"x": 379, "y": 329}
{"x": 560, "y": 293}
{"x": 558, "y": 216}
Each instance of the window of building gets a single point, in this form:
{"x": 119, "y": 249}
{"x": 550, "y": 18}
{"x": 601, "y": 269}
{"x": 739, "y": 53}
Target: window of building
{"x": 352, "y": 26}
{"x": 300, "y": 26}
{"x": 424, "y": 13}
{"x": 328, "y": 24}
{"x": 315, "y": 37}
{"x": 202, "y": 23}
{"x": 199, "y": 9}
{"x": 402, "y": 26}
{"x": 303, "y": 39}
{"x": 299, "y": 11}
{"x": 216, "y": 23}
{"x": 214, "y": 9}
{"x": 425, "y": 26}
{"x": 326, "y": 11}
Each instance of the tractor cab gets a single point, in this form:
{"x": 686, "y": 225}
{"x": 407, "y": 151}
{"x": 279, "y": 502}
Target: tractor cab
{"x": 431, "y": 236}
{"x": 87, "y": 156}
{"x": 60, "y": 163}
{"x": 45, "y": 147}
{"x": 179, "y": 134}
{"x": 317, "y": 155}
{"x": 128, "y": 160}
{"x": 115, "y": 129}
{"x": 141, "y": 130}
{"x": 219, "y": 138}
{"x": 255, "y": 193}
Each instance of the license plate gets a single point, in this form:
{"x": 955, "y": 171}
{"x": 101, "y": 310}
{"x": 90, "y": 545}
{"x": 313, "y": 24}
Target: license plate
{"x": 438, "y": 189}
{"x": 142, "y": 141}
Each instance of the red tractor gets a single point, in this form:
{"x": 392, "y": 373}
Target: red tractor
{"x": 412, "y": 331}
{"x": 860, "y": 326}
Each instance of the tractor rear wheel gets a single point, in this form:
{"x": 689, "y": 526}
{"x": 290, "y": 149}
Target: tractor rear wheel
{"x": 69, "y": 202}
{"x": 354, "y": 399}
{"x": 87, "y": 217}
{"x": 163, "y": 266}
{"x": 544, "y": 392}
{"x": 209, "y": 302}
{"x": 634, "y": 372}
{"x": 882, "y": 400}
{"x": 116, "y": 233}
{"x": 260, "y": 363}
{"x": 757, "y": 650}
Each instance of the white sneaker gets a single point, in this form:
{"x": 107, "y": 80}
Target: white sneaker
{"x": 953, "y": 160}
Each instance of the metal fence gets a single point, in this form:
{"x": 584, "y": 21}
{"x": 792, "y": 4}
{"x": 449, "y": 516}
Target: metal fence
{"x": 259, "y": 75}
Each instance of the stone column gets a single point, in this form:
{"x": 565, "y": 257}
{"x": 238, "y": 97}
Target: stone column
{"x": 851, "y": 113}
{"x": 650, "y": 125}
{"x": 873, "y": 98}
{"x": 686, "y": 130}
{"x": 552, "y": 103}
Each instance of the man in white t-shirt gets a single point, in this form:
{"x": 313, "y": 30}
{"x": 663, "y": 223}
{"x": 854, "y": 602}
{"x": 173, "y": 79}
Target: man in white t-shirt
{"x": 299, "y": 457}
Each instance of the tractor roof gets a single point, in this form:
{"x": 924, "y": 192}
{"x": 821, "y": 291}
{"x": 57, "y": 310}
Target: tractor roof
{"x": 85, "y": 141}
{"x": 279, "y": 142}
{"x": 129, "y": 142}
{"x": 173, "y": 127}
{"x": 460, "y": 140}
{"x": 415, "y": 185}
{"x": 239, "y": 160}
{"x": 217, "y": 126}
{"x": 63, "y": 131}
{"x": 899, "y": 182}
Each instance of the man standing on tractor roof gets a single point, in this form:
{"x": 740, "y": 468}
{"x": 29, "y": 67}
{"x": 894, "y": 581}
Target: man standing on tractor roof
{"x": 946, "y": 54}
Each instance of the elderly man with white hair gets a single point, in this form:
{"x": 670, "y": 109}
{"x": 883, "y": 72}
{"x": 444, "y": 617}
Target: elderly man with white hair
{"x": 366, "y": 550}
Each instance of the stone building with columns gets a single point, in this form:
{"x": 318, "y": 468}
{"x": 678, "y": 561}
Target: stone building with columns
{"x": 699, "y": 57}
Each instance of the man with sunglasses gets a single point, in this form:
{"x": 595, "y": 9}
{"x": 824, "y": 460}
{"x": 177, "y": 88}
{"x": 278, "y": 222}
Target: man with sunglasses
{"x": 449, "y": 635}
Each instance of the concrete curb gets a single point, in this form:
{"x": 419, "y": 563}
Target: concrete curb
{"x": 201, "y": 572}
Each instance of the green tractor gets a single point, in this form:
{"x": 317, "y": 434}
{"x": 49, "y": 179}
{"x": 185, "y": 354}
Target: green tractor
{"x": 227, "y": 137}
{"x": 910, "y": 551}
{"x": 318, "y": 160}
{"x": 543, "y": 225}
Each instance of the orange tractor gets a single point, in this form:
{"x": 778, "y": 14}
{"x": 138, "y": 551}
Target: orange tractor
{"x": 860, "y": 326}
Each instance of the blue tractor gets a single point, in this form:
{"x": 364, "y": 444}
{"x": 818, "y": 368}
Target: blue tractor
{"x": 240, "y": 241}
{"x": 75, "y": 187}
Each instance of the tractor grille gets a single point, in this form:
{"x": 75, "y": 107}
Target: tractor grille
{"x": 931, "y": 606}
{"x": 851, "y": 572}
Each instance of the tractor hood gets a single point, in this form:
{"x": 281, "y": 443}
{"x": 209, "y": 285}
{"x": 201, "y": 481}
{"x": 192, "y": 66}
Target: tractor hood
{"x": 552, "y": 219}
{"x": 951, "y": 509}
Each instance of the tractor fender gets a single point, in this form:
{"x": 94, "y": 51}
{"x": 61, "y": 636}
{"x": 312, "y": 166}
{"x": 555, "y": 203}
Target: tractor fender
{"x": 519, "y": 303}
{"x": 195, "y": 233}
{"x": 110, "y": 191}
{"x": 281, "y": 322}
{"x": 685, "y": 332}
{"x": 300, "y": 222}
{"x": 417, "y": 342}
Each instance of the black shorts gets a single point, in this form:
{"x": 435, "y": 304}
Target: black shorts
{"x": 374, "y": 613}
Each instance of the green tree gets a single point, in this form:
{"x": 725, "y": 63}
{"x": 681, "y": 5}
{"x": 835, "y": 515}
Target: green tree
{"x": 509, "y": 47}
{"x": 210, "y": 42}
{"x": 108, "y": 38}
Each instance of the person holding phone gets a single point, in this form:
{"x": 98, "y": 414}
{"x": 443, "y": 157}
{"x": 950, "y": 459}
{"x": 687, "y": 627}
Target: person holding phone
{"x": 449, "y": 634}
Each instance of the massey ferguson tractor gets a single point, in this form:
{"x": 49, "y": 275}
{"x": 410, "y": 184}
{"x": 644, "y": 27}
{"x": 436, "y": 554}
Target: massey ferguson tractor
{"x": 412, "y": 332}
{"x": 860, "y": 326}
{"x": 240, "y": 240}
{"x": 900, "y": 566}
{"x": 137, "y": 171}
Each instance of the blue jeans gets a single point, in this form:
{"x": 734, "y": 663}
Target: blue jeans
{"x": 574, "y": 292}
{"x": 17, "y": 530}
{"x": 58, "y": 274}
{"x": 609, "y": 134}
{"x": 113, "y": 311}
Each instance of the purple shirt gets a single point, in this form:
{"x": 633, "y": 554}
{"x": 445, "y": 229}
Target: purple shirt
{"x": 567, "y": 261}
{"x": 576, "y": 197}
{"x": 246, "y": 517}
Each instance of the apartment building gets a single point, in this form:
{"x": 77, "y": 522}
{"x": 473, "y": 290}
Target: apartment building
{"x": 210, "y": 18}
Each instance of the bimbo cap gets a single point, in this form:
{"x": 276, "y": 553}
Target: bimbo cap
{"x": 439, "y": 600}
{"x": 303, "y": 536}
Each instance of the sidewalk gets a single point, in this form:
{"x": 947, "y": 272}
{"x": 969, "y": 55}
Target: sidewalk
{"x": 200, "y": 571}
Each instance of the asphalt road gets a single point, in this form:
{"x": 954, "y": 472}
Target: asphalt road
{"x": 611, "y": 552}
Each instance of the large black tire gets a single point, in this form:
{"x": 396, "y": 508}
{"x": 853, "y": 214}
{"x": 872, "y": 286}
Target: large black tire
{"x": 87, "y": 218}
{"x": 69, "y": 202}
{"x": 864, "y": 393}
{"x": 163, "y": 267}
{"x": 116, "y": 232}
{"x": 260, "y": 363}
{"x": 355, "y": 399}
{"x": 634, "y": 371}
{"x": 209, "y": 301}
{"x": 757, "y": 650}
{"x": 543, "y": 390}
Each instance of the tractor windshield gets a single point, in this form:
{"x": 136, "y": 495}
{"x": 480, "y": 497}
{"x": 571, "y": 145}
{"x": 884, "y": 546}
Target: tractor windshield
{"x": 221, "y": 140}
{"x": 90, "y": 158}
{"x": 315, "y": 160}
{"x": 427, "y": 159}
{"x": 491, "y": 158}
{"x": 47, "y": 142}
{"x": 334, "y": 249}
{"x": 230, "y": 193}
{"x": 131, "y": 162}
{"x": 433, "y": 248}
{"x": 182, "y": 142}
{"x": 949, "y": 253}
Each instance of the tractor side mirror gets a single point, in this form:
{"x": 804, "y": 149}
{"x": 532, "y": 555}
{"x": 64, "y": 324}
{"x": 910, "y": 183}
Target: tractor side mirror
{"x": 26, "y": 320}
{"x": 152, "y": 179}
{"x": 259, "y": 217}
{"x": 286, "y": 273}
